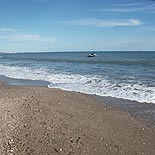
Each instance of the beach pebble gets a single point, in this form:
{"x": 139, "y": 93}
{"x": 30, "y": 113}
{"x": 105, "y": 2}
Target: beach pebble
{"x": 12, "y": 150}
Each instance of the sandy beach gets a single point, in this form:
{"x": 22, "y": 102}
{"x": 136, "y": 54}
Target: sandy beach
{"x": 39, "y": 120}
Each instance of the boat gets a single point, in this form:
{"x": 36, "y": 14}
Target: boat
{"x": 92, "y": 55}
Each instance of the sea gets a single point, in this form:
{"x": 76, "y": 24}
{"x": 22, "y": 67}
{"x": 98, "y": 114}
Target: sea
{"x": 125, "y": 74}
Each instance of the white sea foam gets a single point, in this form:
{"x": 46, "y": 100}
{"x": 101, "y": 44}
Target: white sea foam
{"x": 83, "y": 83}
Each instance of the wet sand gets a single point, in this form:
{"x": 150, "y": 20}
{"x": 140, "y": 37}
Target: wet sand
{"x": 38, "y": 120}
{"x": 144, "y": 112}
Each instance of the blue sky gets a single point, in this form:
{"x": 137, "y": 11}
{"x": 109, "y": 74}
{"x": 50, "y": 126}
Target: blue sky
{"x": 76, "y": 25}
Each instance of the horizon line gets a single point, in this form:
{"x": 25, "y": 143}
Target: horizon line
{"x": 69, "y": 51}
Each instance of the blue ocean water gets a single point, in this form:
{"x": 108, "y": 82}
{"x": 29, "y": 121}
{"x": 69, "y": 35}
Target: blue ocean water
{"x": 127, "y": 75}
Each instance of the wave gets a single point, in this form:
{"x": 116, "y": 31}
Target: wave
{"x": 85, "y": 60}
{"x": 90, "y": 84}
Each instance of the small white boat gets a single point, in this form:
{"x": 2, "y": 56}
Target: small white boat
{"x": 92, "y": 55}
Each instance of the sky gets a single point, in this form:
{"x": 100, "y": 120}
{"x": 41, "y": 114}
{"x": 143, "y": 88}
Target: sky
{"x": 77, "y": 25}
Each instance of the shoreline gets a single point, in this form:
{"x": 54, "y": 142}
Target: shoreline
{"x": 144, "y": 112}
{"x": 36, "y": 83}
{"x": 39, "y": 120}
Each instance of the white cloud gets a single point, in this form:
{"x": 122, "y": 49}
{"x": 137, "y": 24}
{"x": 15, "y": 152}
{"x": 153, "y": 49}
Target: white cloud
{"x": 105, "y": 23}
{"x": 12, "y": 35}
{"x": 140, "y": 7}
{"x": 29, "y": 37}
{"x": 7, "y": 30}
{"x": 126, "y": 4}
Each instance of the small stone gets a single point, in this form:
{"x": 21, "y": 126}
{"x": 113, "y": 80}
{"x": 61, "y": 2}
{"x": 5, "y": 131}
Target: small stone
{"x": 11, "y": 150}
{"x": 56, "y": 150}
{"x": 71, "y": 141}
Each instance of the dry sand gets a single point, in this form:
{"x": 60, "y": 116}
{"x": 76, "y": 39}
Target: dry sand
{"x": 38, "y": 120}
